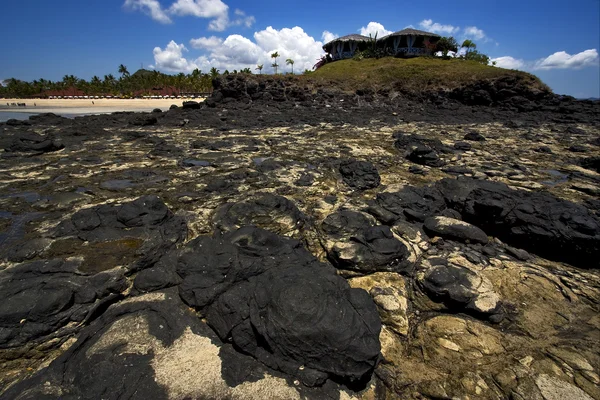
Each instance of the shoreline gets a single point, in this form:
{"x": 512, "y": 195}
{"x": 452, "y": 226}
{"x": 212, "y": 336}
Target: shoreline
{"x": 88, "y": 106}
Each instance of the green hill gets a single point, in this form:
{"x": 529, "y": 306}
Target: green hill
{"x": 413, "y": 75}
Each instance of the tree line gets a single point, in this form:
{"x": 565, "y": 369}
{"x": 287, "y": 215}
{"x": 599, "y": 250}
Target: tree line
{"x": 448, "y": 44}
{"x": 143, "y": 82}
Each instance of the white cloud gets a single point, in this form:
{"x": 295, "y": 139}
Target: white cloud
{"x": 215, "y": 10}
{"x": 237, "y": 52}
{"x": 327, "y": 36}
{"x": 171, "y": 58}
{"x": 199, "y": 8}
{"x": 430, "y": 26}
{"x": 508, "y": 62}
{"x": 206, "y": 42}
{"x": 472, "y": 32}
{"x": 243, "y": 19}
{"x": 374, "y": 28}
{"x": 563, "y": 60}
{"x": 149, "y": 7}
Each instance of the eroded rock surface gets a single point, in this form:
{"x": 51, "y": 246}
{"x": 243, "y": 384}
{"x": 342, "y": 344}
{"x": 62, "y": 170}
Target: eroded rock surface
{"x": 271, "y": 298}
{"x": 355, "y": 242}
{"x": 278, "y": 242}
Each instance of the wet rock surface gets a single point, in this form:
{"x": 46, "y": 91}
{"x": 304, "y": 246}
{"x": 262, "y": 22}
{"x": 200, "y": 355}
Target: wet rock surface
{"x": 277, "y": 242}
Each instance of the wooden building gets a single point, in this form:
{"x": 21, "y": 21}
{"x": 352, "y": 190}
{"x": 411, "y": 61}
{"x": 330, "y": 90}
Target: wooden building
{"x": 409, "y": 43}
{"x": 405, "y": 43}
{"x": 346, "y": 46}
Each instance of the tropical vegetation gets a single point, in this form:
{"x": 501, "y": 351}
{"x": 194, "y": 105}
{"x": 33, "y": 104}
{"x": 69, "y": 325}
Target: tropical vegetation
{"x": 141, "y": 83}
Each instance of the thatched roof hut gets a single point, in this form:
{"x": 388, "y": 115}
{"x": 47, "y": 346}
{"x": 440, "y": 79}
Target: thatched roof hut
{"x": 346, "y": 46}
{"x": 409, "y": 42}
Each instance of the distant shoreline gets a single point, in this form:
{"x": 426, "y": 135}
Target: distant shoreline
{"x": 88, "y": 106}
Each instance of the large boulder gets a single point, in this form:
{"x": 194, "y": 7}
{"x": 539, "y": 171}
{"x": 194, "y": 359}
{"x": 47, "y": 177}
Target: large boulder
{"x": 29, "y": 142}
{"x": 360, "y": 175}
{"x": 537, "y": 222}
{"x": 424, "y": 155}
{"x": 151, "y": 347}
{"x": 460, "y": 289}
{"x": 40, "y": 298}
{"x": 273, "y": 300}
{"x": 268, "y": 211}
{"x": 354, "y": 242}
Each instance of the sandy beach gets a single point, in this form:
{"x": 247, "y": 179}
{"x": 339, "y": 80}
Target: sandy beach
{"x": 85, "y": 106}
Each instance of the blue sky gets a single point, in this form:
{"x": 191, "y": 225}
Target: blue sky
{"x": 557, "y": 40}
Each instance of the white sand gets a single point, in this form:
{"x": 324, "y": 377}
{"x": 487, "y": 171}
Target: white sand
{"x": 85, "y": 106}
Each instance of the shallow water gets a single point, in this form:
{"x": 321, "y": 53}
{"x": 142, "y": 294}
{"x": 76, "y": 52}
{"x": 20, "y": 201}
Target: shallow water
{"x": 68, "y": 112}
{"x": 557, "y": 177}
{"x": 6, "y": 115}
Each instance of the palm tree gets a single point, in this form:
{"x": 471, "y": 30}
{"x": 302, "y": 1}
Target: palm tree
{"x": 180, "y": 81}
{"x": 109, "y": 83}
{"x": 69, "y": 81}
{"x": 259, "y": 67}
{"x": 214, "y": 72}
{"x": 469, "y": 45}
{"x": 123, "y": 70}
{"x": 95, "y": 84}
{"x": 289, "y": 61}
{"x": 275, "y": 65}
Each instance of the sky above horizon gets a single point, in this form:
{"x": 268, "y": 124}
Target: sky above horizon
{"x": 556, "y": 40}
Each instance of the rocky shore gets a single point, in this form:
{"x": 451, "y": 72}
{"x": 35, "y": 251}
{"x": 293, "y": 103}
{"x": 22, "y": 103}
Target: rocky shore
{"x": 284, "y": 241}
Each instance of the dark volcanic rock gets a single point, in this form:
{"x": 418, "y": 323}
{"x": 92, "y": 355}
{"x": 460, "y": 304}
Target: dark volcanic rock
{"x": 415, "y": 169}
{"x": 592, "y": 163}
{"x": 474, "y": 136}
{"x": 161, "y": 276}
{"x": 143, "y": 120}
{"x": 268, "y": 211}
{"x": 578, "y": 148}
{"x": 195, "y": 163}
{"x": 41, "y": 297}
{"x": 360, "y": 175}
{"x": 462, "y": 146}
{"x": 457, "y": 170}
{"x": 136, "y": 234}
{"x": 353, "y": 242}
{"x": 538, "y": 222}
{"x": 459, "y": 289}
{"x": 214, "y": 145}
{"x": 455, "y": 229}
{"x": 272, "y": 299}
{"x": 101, "y": 364}
{"x": 191, "y": 105}
{"x": 17, "y": 122}
{"x": 305, "y": 180}
{"x": 29, "y": 142}
{"x": 412, "y": 204}
{"x": 544, "y": 149}
{"x": 425, "y": 155}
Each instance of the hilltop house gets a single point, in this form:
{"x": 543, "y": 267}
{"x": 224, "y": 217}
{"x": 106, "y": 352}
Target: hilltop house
{"x": 405, "y": 43}
{"x": 408, "y": 42}
{"x": 346, "y": 46}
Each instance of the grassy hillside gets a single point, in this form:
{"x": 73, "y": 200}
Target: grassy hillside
{"x": 415, "y": 74}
